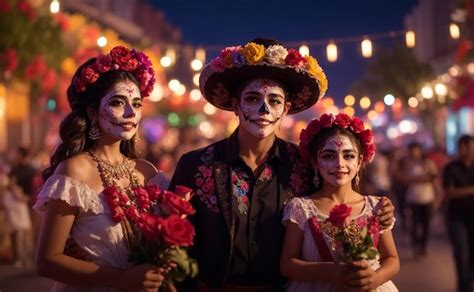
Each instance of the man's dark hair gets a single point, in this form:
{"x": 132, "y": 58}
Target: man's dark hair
{"x": 465, "y": 139}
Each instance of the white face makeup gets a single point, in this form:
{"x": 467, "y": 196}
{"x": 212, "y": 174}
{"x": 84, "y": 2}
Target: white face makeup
{"x": 120, "y": 110}
{"x": 261, "y": 107}
{"x": 338, "y": 161}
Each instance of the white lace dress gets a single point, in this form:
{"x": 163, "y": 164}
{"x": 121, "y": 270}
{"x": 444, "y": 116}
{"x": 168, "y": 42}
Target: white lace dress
{"x": 93, "y": 230}
{"x": 298, "y": 211}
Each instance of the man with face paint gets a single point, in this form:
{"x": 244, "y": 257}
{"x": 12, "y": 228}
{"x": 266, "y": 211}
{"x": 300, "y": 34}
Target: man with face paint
{"x": 243, "y": 182}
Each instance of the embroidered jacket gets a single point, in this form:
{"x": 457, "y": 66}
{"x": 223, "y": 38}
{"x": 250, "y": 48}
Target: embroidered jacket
{"x": 221, "y": 196}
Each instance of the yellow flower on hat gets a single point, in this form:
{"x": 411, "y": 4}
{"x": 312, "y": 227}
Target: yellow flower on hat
{"x": 313, "y": 68}
{"x": 253, "y": 53}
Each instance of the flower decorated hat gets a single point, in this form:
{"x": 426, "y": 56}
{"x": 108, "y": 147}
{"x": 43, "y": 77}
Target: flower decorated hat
{"x": 302, "y": 77}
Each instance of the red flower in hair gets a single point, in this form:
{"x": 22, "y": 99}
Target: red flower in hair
{"x": 89, "y": 75}
{"x": 342, "y": 120}
{"x": 357, "y": 125}
{"x": 366, "y": 136}
{"x": 326, "y": 120}
{"x": 103, "y": 63}
{"x": 120, "y": 55}
{"x": 369, "y": 152}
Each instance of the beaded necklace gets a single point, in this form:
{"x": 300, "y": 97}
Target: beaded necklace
{"x": 123, "y": 202}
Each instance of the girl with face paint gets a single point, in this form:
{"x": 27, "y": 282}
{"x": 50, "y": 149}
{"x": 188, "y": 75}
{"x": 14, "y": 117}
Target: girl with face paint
{"x": 337, "y": 147}
{"x": 82, "y": 247}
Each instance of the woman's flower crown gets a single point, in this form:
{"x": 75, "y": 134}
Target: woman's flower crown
{"x": 274, "y": 55}
{"x": 343, "y": 121}
{"x": 123, "y": 59}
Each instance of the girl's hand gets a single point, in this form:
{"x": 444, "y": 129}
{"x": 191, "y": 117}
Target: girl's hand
{"x": 385, "y": 214}
{"x": 143, "y": 277}
{"x": 362, "y": 277}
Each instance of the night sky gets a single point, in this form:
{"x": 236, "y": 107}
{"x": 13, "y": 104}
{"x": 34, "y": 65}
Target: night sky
{"x": 235, "y": 22}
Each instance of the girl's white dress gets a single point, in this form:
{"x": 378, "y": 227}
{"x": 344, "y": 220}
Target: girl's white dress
{"x": 93, "y": 230}
{"x": 298, "y": 211}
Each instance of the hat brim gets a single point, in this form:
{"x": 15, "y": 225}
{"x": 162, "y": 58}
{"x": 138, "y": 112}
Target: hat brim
{"x": 218, "y": 87}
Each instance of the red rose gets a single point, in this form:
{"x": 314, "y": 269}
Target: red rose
{"x": 143, "y": 200}
{"x": 89, "y": 75}
{"x": 174, "y": 204}
{"x": 151, "y": 225}
{"x": 369, "y": 152}
{"x": 366, "y": 136}
{"x": 294, "y": 58}
{"x": 177, "y": 231}
{"x": 182, "y": 190}
{"x": 342, "y": 120}
{"x": 103, "y": 63}
{"x": 154, "y": 192}
{"x": 326, "y": 120}
{"x": 5, "y": 6}
{"x": 120, "y": 55}
{"x": 130, "y": 65}
{"x": 339, "y": 215}
{"x": 111, "y": 196}
{"x": 357, "y": 125}
{"x": 118, "y": 214}
{"x": 132, "y": 214}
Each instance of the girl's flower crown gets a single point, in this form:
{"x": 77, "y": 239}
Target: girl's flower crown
{"x": 343, "y": 121}
{"x": 123, "y": 59}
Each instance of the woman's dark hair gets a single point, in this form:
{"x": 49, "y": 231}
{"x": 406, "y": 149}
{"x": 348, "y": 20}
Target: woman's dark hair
{"x": 75, "y": 127}
{"x": 318, "y": 141}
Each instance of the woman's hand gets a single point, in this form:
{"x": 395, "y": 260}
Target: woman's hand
{"x": 143, "y": 277}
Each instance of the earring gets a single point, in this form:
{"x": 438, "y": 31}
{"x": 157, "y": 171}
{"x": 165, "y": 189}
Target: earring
{"x": 316, "y": 180}
{"x": 94, "y": 133}
{"x": 357, "y": 179}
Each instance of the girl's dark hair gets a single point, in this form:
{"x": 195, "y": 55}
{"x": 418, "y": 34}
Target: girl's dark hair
{"x": 74, "y": 128}
{"x": 318, "y": 141}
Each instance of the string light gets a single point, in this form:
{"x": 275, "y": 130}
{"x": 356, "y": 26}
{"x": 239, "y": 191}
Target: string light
{"x": 195, "y": 95}
{"x": 196, "y": 79}
{"x": 54, "y": 6}
{"x": 173, "y": 85}
{"x": 427, "y": 92}
{"x": 365, "y": 102}
{"x": 454, "y": 31}
{"x": 200, "y": 55}
{"x": 157, "y": 93}
{"x": 441, "y": 89}
{"x": 165, "y": 61}
{"x": 304, "y": 50}
{"x": 331, "y": 51}
{"x": 413, "y": 102}
{"x": 389, "y": 99}
{"x": 349, "y": 100}
{"x": 196, "y": 64}
{"x": 366, "y": 47}
{"x": 410, "y": 39}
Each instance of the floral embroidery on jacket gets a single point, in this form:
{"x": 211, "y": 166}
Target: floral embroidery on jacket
{"x": 267, "y": 174}
{"x": 205, "y": 182}
{"x": 240, "y": 189}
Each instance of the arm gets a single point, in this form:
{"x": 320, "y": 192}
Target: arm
{"x": 295, "y": 269}
{"x": 53, "y": 263}
{"x": 367, "y": 279}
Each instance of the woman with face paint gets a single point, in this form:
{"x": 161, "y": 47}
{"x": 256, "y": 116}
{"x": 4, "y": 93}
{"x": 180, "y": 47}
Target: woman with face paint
{"x": 243, "y": 182}
{"x": 82, "y": 246}
{"x": 338, "y": 147}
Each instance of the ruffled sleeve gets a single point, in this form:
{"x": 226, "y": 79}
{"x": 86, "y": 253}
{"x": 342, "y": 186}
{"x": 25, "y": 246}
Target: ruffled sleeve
{"x": 295, "y": 212}
{"x": 73, "y": 192}
{"x": 376, "y": 204}
{"x": 160, "y": 180}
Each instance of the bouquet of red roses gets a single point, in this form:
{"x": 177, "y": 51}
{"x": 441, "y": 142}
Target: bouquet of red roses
{"x": 160, "y": 216}
{"x": 354, "y": 240}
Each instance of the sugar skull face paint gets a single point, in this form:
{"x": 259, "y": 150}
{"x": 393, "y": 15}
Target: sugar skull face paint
{"x": 261, "y": 107}
{"x": 120, "y": 111}
{"x": 338, "y": 160}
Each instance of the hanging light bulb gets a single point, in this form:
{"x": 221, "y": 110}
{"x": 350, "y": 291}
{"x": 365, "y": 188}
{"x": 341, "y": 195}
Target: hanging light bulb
{"x": 427, "y": 91}
{"x": 366, "y": 46}
{"x": 54, "y": 6}
{"x": 454, "y": 31}
{"x": 331, "y": 51}
{"x": 200, "y": 55}
{"x": 410, "y": 39}
{"x": 196, "y": 64}
{"x": 165, "y": 61}
{"x": 304, "y": 50}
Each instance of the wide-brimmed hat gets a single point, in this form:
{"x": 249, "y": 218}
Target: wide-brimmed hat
{"x": 302, "y": 77}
